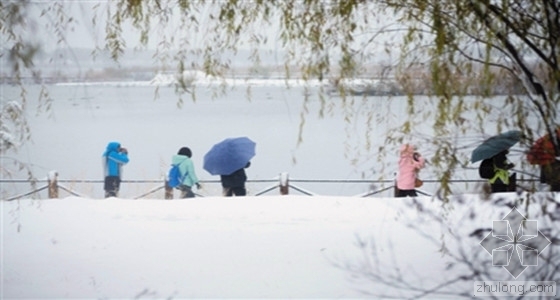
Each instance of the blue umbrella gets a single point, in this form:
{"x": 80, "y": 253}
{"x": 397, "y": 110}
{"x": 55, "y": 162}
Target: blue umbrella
{"x": 229, "y": 156}
{"x": 495, "y": 145}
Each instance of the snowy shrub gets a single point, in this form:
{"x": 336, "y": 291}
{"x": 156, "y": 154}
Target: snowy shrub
{"x": 13, "y": 127}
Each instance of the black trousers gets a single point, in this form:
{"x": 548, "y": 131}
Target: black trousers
{"x": 237, "y": 191}
{"x": 499, "y": 187}
{"x": 111, "y": 186}
{"x": 403, "y": 193}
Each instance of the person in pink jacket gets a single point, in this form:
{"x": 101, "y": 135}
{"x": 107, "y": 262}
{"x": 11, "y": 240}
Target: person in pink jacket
{"x": 410, "y": 163}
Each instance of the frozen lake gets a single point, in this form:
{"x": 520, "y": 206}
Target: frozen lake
{"x": 71, "y": 137}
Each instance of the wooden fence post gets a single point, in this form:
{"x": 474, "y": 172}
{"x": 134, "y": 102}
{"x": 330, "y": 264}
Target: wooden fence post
{"x": 168, "y": 190}
{"x": 284, "y": 183}
{"x": 53, "y": 184}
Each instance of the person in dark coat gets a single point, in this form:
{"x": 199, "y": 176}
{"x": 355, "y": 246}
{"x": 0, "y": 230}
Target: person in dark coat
{"x": 234, "y": 183}
{"x": 502, "y": 181}
{"x": 114, "y": 157}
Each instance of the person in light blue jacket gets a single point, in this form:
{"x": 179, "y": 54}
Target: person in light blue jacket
{"x": 114, "y": 157}
{"x": 186, "y": 167}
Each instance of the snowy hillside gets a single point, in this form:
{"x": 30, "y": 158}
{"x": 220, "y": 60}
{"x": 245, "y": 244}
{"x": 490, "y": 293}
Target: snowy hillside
{"x": 249, "y": 247}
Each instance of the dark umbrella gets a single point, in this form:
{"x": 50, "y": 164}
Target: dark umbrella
{"x": 495, "y": 145}
{"x": 229, "y": 156}
{"x": 542, "y": 151}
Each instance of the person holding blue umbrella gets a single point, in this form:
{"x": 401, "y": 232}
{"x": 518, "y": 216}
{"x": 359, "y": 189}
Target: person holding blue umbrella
{"x": 229, "y": 158}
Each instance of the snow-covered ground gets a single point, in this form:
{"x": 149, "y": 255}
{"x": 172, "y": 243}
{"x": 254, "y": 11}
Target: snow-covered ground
{"x": 247, "y": 247}
{"x": 261, "y": 247}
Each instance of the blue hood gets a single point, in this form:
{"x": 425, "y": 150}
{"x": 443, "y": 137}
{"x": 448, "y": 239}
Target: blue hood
{"x": 112, "y": 146}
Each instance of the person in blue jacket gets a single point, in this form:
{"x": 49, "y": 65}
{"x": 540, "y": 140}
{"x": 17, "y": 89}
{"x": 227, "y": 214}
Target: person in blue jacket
{"x": 114, "y": 157}
{"x": 186, "y": 167}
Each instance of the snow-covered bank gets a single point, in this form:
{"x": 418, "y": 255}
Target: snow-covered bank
{"x": 207, "y": 247}
{"x": 201, "y": 79}
{"x": 248, "y": 247}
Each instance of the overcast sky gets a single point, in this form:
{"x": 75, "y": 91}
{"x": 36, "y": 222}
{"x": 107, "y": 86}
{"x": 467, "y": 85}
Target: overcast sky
{"x": 84, "y": 34}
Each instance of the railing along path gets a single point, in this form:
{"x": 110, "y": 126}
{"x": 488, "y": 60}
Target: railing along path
{"x": 283, "y": 183}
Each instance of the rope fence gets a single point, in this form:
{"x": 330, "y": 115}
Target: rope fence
{"x": 283, "y": 183}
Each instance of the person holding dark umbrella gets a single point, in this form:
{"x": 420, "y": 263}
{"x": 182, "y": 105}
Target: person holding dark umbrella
{"x": 493, "y": 152}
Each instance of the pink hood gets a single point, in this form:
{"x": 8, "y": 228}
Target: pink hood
{"x": 408, "y": 167}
